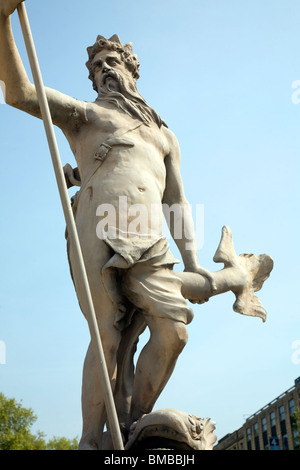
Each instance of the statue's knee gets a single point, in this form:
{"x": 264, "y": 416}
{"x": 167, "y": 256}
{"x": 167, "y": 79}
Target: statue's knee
{"x": 182, "y": 334}
{"x": 175, "y": 337}
{"x": 110, "y": 338}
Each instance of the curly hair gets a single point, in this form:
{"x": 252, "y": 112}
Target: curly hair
{"x": 113, "y": 44}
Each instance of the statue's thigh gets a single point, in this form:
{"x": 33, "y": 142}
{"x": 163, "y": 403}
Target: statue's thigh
{"x": 95, "y": 256}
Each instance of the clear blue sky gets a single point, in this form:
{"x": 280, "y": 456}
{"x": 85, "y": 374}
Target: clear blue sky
{"x": 220, "y": 74}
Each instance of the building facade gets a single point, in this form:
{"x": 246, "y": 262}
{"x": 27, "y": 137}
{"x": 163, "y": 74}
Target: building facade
{"x": 270, "y": 428}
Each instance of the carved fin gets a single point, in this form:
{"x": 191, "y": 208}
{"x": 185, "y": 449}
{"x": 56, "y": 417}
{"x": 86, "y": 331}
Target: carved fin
{"x": 259, "y": 269}
{"x": 248, "y": 304}
{"x": 225, "y": 252}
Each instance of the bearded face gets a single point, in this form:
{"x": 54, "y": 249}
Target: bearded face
{"x": 116, "y": 85}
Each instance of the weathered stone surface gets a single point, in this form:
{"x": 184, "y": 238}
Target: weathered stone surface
{"x": 129, "y": 173}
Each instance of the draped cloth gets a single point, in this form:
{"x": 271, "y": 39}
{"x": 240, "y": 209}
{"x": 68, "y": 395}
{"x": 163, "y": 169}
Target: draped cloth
{"x": 141, "y": 271}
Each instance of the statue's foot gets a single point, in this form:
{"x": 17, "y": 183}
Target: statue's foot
{"x": 87, "y": 446}
{"x": 107, "y": 440}
{"x": 254, "y": 270}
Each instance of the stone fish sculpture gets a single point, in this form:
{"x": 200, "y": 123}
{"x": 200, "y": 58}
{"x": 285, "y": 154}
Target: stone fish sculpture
{"x": 171, "y": 429}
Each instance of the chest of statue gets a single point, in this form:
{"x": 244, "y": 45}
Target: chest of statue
{"x": 107, "y": 128}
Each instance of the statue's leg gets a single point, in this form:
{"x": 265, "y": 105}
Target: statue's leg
{"x": 126, "y": 368}
{"x": 156, "y": 292}
{"x": 156, "y": 364}
{"x": 93, "y": 406}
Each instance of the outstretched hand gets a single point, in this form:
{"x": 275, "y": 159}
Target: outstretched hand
{"x": 7, "y": 7}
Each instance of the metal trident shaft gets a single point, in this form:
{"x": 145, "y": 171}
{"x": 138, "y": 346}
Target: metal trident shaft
{"x": 71, "y": 227}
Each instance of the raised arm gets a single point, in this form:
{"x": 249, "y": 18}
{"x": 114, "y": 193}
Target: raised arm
{"x": 178, "y": 212}
{"x": 19, "y": 91}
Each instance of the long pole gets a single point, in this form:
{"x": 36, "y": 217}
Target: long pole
{"x": 71, "y": 227}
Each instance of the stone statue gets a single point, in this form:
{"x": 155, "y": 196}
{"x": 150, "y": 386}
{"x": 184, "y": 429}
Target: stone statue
{"x": 128, "y": 172}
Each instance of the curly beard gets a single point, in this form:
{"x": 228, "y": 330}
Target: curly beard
{"x": 127, "y": 98}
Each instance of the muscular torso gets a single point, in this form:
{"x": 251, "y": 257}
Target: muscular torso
{"x": 136, "y": 172}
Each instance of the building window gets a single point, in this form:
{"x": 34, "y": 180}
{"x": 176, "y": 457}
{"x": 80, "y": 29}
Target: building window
{"x": 273, "y": 424}
{"x": 291, "y": 406}
{"x": 281, "y": 413}
{"x": 248, "y": 438}
{"x": 256, "y": 436}
{"x": 285, "y": 444}
{"x": 265, "y": 433}
{"x": 273, "y": 419}
{"x": 283, "y": 428}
